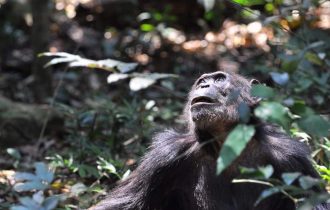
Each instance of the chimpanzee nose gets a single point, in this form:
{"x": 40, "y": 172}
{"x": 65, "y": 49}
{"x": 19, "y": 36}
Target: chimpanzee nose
{"x": 205, "y": 86}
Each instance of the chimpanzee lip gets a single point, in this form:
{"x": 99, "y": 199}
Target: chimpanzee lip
{"x": 202, "y": 100}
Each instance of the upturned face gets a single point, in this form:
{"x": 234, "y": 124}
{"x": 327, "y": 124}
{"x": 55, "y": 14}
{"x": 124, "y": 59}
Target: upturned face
{"x": 214, "y": 100}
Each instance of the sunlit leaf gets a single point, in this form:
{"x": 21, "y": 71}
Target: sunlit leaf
{"x": 141, "y": 81}
{"x": 280, "y": 78}
{"x": 267, "y": 171}
{"x": 43, "y": 172}
{"x": 14, "y": 153}
{"x": 126, "y": 174}
{"x": 138, "y": 83}
{"x": 28, "y": 186}
{"x": 267, "y": 193}
{"x": 207, "y": 4}
{"x": 289, "y": 178}
{"x": 147, "y": 27}
{"x": 77, "y": 61}
{"x": 250, "y": 2}
{"x": 78, "y": 188}
{"x": 38, "y": 197}
{"x": 234, "y": 145}
{"x": 257, "y": 173}
{"x": 112, "y": 78}
{"x": 273, "y": 112}
{"x": 22, "y": 176}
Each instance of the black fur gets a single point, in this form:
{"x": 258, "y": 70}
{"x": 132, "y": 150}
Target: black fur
{"x": 178, "y": 172}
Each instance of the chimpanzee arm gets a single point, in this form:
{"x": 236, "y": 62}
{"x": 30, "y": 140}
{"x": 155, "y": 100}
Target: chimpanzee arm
{"x": 147, "y": 186}
{"x": 284, "y": 153}
{"x": 289, "y": 155}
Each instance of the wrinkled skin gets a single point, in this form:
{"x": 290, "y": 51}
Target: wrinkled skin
{"x": 178, "y": 171}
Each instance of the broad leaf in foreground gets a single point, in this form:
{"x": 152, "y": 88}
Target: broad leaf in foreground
{"x": 234, "y": 145}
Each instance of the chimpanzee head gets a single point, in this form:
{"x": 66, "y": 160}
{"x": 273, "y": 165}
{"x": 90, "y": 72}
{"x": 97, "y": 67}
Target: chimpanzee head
{"x": 214, "y": 100}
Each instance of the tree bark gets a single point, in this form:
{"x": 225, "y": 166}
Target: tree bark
{"x": 40, "y": 40}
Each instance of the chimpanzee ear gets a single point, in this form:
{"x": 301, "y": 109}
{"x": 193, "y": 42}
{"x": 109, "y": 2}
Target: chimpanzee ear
{"x": 256, "y": 100}
{"x": 254, "y": 82}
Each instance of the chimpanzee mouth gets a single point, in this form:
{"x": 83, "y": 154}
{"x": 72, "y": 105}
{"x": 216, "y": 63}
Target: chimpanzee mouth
{"x": 202, "y": 100}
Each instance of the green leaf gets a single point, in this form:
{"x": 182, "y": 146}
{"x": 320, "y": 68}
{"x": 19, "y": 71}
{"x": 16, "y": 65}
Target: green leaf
{"x": 314, "y": 200}
{"x": 266, "y": 193}
{"x": 262, "y": 91}
{"x": 17, "y": 207}
{"x": 290, "y": 62}
{"x": 208, "y": 4}
{"x": 250, "y": 2}
{"x": 28, "y": 186}
{"x": 315, "y": 125}
{"x": 313, "y": 58}
{"x": 50, "y": 202}
{"x": 306, "y": 182}
{"x": 273, "y": 112}
{"x": 244, "y": 112}
{"x": 141, "y": 81}
{"x": 300, "y": 108}
{"x": 14, "y": 153}
{"x": 126, "y": 174}
{"x": 289, "y": 178}
{"x": 22, "y": 176}
{"x": 29, "y": 202}
{"x": 77, "y": 61}
{"x": 43, "y": 172}
{"x": 38, "y": 197}
{"x": 78, "y": 189}
{"x": 234, "y": 145}
{"x": 112, "y": 78}
{"x": 266, "y": 171}
{"x": 259, "y": 173}
{"x": 280, "y": 78}
{"x": 147, "y": 27}
{"x": 138, "y": 83}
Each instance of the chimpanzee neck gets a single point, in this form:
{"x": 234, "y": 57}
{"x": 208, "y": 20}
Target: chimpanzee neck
{"x": 210, "y": 142}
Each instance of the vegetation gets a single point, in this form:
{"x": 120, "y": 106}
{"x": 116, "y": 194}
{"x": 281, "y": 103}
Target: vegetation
{"x": 118, "y": 71}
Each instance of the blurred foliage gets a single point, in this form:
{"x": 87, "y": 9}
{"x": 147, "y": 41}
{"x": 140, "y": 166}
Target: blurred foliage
{"x": 109, "y": 122}
{"x": 297, "y": 187}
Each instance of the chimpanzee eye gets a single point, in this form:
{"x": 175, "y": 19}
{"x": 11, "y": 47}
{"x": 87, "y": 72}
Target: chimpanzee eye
{"x": 220, "y": 78}
{"x": 201, "y": 81}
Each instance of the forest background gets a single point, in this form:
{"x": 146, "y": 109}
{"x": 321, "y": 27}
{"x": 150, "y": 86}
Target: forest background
{"x": 85, "y": 84}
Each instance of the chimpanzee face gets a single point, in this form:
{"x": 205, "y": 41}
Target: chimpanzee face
{"x": 215, "y": 97}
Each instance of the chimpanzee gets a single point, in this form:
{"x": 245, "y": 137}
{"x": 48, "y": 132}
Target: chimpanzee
{"x": 179, "y": 171}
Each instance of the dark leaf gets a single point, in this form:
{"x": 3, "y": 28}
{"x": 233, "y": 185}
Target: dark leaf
{"x": 315, "y": 125}
{"x": 262, "y": 91}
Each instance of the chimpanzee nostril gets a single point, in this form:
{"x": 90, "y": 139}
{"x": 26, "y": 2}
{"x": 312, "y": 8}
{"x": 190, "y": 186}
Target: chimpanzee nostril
{"x": 205, "y": 86}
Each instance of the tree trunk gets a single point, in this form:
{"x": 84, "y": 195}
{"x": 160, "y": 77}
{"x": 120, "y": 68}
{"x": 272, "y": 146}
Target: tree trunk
{"x": 40, "y": 40}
